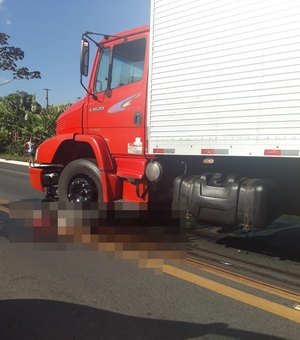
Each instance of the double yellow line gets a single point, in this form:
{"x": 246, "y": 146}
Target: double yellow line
{"x": 4, "y": 206}
{"x": 290, "y": 313}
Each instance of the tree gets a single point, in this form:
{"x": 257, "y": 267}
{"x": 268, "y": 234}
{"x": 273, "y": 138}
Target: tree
{"x": 9, "y": 56}
{"x": 21, "y": 117}
{"x": 20, "y": 100}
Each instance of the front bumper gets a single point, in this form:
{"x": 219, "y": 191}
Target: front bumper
{"x": 35, "y": 174}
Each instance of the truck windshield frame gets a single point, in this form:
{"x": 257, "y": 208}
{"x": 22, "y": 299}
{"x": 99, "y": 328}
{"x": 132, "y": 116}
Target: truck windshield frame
{"x": 121, "y": 65}
{"x": 101, "y": 78}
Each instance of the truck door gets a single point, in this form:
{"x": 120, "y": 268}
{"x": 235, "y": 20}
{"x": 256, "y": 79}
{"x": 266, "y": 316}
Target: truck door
{"x": 117, "y": 112}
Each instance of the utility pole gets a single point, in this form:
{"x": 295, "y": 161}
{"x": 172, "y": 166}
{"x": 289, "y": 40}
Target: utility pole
{"x": 47, "y": 98}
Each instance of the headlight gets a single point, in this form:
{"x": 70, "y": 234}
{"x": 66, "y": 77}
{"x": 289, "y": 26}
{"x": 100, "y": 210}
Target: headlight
{"x": 153, "y": 171}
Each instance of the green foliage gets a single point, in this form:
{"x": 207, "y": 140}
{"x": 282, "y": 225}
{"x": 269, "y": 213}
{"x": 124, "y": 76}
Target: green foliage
{"x": 3, "y": 140}
{"x": 20, "y": 101}
{"x": 21, "y": 117}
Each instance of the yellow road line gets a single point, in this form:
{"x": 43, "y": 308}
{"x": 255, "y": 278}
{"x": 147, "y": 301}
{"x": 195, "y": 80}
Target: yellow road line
{"x": 247, "y": 298}
{"x": 266, "y": 287}
{"x": 233, "y": 293}
{"x": 222, "y": 289}
{"x": 2, "y": 207}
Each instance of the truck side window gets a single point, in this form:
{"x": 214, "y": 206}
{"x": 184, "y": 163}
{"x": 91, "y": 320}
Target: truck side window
{"x": 101, "y": 79}
{"x": 128, "y": 63}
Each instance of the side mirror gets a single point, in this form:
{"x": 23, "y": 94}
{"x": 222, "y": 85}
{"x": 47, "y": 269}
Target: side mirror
{"x": 84, "y": 57}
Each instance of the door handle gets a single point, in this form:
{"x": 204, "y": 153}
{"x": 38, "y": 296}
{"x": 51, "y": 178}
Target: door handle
{"x": 137, "y": 118}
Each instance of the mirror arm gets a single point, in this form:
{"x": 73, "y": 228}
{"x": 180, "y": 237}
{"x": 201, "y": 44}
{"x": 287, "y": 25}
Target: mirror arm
{"x": 81, "y": 83}
{"x": 86, "y": 35}
{"x": 87, "y": 91}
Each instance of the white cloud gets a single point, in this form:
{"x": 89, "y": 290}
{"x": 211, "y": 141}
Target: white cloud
{"x": 4, "y": 10}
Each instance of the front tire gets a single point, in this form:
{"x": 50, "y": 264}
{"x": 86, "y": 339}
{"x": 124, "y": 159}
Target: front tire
{"x": 80, "y": 182}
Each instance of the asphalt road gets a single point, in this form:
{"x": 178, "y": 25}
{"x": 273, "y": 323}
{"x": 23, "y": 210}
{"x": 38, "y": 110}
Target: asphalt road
{"x": 64, "y": 291}
{"x": 14, "y": 183}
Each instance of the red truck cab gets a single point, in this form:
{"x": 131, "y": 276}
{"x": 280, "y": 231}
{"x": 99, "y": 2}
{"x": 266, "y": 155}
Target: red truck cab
{"x": 99, "y": 150}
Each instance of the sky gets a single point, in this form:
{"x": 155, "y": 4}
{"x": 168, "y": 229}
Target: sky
{"x": 49, "y": 33}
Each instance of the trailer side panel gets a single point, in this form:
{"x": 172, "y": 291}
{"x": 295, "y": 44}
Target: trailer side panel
{"x": 225, "y": 78}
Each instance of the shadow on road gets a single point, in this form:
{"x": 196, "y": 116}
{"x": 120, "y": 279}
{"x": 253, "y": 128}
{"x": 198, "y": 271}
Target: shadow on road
{"x": 280, "y": 240}
{"x": 276, "y": 245}
{"x": 4, "y": 224}
{"x": 44, "y": 319}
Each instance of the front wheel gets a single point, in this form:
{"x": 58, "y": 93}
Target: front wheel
{"x": 80, "y": 181}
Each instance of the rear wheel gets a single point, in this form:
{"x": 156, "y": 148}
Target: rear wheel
{"x": 80, "y": 181}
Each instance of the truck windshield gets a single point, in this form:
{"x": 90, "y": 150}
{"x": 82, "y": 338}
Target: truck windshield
{"x": 128, "y": 63}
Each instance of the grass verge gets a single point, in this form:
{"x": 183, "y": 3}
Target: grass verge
{"x": 10, "y": 157}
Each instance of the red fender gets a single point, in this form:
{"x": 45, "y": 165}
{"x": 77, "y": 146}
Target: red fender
{"x": 47, "y": 149}
{"x": 100, "y": 149}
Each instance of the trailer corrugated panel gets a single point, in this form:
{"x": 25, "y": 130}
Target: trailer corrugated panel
{"x": 225, "y": 77}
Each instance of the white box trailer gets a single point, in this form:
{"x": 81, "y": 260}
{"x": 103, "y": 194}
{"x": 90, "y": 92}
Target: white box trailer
{"x": 224, "y": 78}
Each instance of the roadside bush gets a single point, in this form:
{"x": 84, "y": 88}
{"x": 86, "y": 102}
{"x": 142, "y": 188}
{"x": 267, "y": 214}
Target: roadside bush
{"x": 15, "y": 148}
{"x": 4, "y": 142}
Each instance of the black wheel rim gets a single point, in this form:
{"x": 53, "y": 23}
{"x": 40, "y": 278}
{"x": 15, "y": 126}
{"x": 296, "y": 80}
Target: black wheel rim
{"x": 82, "y": 189}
